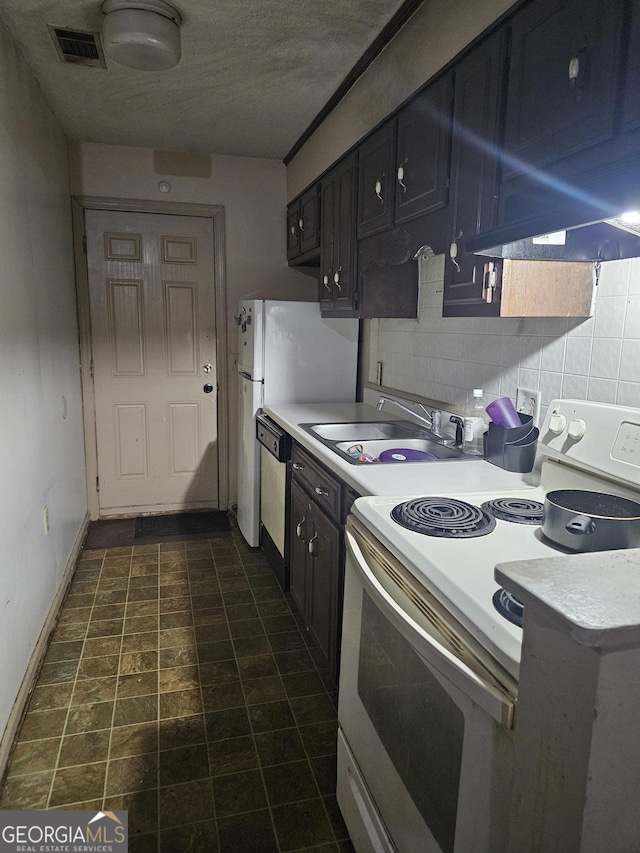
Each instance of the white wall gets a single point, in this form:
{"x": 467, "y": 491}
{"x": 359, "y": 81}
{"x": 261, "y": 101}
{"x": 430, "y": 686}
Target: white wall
{"x": 41, "y": 452}
{"x": 253, "y": 193}
{"x": 597, "y": 358}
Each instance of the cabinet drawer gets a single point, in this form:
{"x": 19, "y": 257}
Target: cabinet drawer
{"x": 318, "y": 482}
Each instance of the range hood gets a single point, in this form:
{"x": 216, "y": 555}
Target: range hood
{"x": 551, "y": 239}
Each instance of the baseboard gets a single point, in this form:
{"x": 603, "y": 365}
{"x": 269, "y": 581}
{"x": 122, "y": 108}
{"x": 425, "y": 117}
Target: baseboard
{"x": 35, "y": 661}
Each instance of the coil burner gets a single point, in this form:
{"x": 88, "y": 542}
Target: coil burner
{"x": 508, "y": 606}
{"x": 517, "y": 510}
{"x": 444, "y": 517}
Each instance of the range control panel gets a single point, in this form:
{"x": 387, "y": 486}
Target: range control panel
{"x": 627, "y": 444}
{"x": 597, "y": 437}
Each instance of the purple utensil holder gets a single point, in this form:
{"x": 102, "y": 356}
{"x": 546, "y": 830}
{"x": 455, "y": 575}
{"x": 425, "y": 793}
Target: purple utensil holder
{"x": 503, "y": 413}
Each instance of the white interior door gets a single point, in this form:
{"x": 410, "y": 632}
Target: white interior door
{"x": 152, "y": 308}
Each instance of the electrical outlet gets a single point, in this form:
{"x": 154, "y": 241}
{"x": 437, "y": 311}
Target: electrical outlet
{"x": 45, "y": 519}
{"x": 528, "y": 402}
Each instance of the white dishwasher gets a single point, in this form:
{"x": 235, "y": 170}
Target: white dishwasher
{"x": 275, "y": 478}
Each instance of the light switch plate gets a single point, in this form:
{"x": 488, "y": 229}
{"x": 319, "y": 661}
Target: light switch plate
{"x": 528, "y": 402}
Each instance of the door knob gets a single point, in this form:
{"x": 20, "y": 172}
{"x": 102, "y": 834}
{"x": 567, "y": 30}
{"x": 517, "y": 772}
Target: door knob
{"x": 208, "y": 388}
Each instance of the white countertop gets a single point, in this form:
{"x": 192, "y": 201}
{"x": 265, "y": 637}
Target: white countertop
{"x": 403, "y": 478}
{"x": 591, "y": 596}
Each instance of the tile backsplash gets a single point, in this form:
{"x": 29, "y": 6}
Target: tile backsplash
{"x": 596, "y": 358}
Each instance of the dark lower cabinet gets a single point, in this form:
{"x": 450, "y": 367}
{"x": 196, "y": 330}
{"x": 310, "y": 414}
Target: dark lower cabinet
{"x": 317, "y": 557}
{"x": 298, "y": 547}
{"x": 323, "y": 562}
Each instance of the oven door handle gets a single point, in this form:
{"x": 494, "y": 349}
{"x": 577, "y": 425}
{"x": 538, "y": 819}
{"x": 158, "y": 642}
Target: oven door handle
{"x": 473, "y": 684}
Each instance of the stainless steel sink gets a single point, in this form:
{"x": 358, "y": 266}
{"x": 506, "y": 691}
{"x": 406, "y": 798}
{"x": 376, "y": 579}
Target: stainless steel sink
{"x": 362, "y": 442}
{"x": 364, "y": 430}
{"x": 393, "y": 450}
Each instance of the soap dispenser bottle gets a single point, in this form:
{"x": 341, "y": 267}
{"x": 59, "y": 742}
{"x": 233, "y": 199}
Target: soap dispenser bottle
{"x": 474, "y": 424}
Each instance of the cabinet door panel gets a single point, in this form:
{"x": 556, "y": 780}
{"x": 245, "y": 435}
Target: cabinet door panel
{"x": 323, "y": 562}
{"x": 300, "y": 526}
{"x": 422, "y": 159}
{"x": 338, "y": 240}
{"x": 345, "y": 236}
{"x": 376, "y": 181}
{"x": 293, "y": 243}
{"x": 631, "y": 104}
{"x": 309, "y": 221}
{"x": 562, "y": 80}
{"x": 474, "y": 173}
{"x": 327, "y": 204}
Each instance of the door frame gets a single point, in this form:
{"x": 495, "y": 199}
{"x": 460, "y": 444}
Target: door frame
{"x": 210, "y": 211}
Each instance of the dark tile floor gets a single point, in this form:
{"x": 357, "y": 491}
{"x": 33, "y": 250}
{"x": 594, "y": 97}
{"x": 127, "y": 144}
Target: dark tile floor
{"x": 178, "y": 686}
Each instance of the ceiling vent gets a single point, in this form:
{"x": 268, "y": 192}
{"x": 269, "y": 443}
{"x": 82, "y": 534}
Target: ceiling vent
{"x": 78, "y": 46}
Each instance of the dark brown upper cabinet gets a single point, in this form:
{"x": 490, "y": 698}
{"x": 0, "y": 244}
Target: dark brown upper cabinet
{"x": 376, "y": 180}
{"x": 303, "y": 226}
{"x": 403, "y": 167}
{"x": 337, "y": 290}
{"x": 470, "y": 285}
{"x": 631, "y": 102}
{"x": 563, "y": 80}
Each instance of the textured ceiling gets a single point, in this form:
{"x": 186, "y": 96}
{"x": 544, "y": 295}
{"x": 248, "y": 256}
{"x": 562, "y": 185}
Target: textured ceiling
{"x": 252, "y": 77}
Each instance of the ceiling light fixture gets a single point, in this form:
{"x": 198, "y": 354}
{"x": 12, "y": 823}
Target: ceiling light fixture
{"x": 141, "y": 34}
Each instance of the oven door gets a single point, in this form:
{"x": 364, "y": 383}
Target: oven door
{"x": 425, "y": 756}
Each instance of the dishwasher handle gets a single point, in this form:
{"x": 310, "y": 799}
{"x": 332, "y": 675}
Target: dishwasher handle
{"x": 272, "y": 437}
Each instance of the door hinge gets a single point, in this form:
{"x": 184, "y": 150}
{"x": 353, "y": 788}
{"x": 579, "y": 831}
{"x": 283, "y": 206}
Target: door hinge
{"x": 97, "y": 484}
{"x": 84, "y": 243}
{"x": 91, "y": 368}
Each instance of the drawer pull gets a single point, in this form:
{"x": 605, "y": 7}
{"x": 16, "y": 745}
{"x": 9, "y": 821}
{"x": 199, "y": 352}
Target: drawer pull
{"x": 311, "y": 546}
{"x": 299, "y": 527}
{"x": 297, "y": 466}
{"x": 322, "y": 492}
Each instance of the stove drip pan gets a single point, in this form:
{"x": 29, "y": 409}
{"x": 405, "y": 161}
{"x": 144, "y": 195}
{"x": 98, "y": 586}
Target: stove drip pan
{"x": 517, "y": 510}
{"x": 445, "y": 517}
{"x": 508, "y": 606}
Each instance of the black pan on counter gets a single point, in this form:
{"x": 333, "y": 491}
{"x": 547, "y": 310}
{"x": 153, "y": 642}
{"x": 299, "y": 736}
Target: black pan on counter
{"x": 591, "y": 521}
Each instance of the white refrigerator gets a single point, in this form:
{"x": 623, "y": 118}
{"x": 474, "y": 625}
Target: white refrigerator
{"x": 286, "y": 354}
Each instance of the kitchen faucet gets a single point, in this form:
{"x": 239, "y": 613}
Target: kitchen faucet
{"x": 432, "y": 419}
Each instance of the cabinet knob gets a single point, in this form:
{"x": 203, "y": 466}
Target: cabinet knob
{"x": 379, "y": 190}
{"x": 322, "y": 492}
{"x": 293, "y": 230}
{"x": 489, "y": 281}
{"x": 301, "y": 224}
{"x": 325, "y": 281}
{"x": 453, "y": 254}
{"x": 311, "y": 547}
{"x": 575, "y": 80}
{"x": 299, "y": 532}
{"x": 574, "y": 69}
{"x": 400, "y": 176}
{"x": 336, "y": 279}
{"x": 298, "y": 466}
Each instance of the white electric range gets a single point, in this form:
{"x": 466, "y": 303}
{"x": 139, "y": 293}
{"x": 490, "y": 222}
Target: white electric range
{"x": 459, "y": 570}
{"x": 430, "y": 661}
